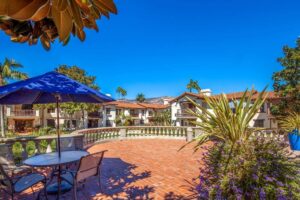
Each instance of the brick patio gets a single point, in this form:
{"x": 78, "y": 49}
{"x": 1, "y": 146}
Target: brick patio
{"x": 143, "y": 169}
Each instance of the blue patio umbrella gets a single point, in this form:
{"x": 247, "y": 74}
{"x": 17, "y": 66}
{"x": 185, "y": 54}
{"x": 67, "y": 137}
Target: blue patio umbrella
{"x": 51, "y": 87}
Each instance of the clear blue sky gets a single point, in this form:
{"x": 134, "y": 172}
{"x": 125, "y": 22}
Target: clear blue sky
{"x": 156, "y": 46}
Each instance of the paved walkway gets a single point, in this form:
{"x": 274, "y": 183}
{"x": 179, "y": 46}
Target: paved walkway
{"x": 143, "y": 169}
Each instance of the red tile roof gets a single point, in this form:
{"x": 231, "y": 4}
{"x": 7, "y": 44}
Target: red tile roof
{"x": 125, "y": 104}
{"x": 200, "y": 96}
{"x": 153, "y": 106}
{"x": 235, "y": 95}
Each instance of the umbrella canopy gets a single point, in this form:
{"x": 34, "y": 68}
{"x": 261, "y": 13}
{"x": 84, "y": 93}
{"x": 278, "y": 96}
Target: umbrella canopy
{"x": 47, "y": 88}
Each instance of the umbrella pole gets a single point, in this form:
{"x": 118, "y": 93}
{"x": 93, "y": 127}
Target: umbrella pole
{"x": 57, "y": 126}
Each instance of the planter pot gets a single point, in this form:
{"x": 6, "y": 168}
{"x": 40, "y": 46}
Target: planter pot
{"x": 294, "y": 139}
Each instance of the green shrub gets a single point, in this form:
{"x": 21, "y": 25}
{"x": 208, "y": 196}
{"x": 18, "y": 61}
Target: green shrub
{"x": 253, "y": 169}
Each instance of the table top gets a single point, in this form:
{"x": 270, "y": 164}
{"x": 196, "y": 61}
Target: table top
{"x": 52, "y": 159}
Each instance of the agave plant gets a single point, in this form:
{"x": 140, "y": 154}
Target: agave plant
{"x": 31, "y": 20}
{"x": 226, "y": 123}
{"x": 290, "y": 122}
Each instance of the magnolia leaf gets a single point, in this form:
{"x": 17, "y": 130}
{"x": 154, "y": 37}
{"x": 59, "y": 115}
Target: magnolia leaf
{"x": 80, "y": 34}
{"x": 106, "y": 5}
{"x": 63, "y": 23}
{"x": 3, "y": 7}
{"x": 42, "y": 12}
{"x": 25, "y": 9}
{"x": 60, "y": 5}
{"x": 45, "y": 42}
{"x": 84, "y": 6}
{"x": 76, "y": 14}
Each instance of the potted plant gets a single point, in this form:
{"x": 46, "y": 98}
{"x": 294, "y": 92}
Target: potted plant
{"x": 291, "y": 124}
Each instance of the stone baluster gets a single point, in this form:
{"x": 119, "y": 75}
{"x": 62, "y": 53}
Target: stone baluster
{"x": 122, "y": 133}
{"x": 189, "y": 134}
{"x": 49, "y": 149}
{"x": 37, "y": 146}
{"x": 24, "y": 151}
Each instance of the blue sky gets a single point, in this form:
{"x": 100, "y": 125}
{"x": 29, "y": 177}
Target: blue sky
{"x": 156, "y": 46}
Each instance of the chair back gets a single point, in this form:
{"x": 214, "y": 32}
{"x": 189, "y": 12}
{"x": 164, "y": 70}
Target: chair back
{"x": 6, "y": 159}
{"x": 89, "y": 166}
{"x": 5, "y": 180}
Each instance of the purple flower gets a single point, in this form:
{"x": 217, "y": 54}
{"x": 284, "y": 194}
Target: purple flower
{"x": 280, "y": 184}
{"x": 255, "y": 177}
{"x": 267, "y": 178}
{"x": 262, "y": 194}
{"x": 280, "y": 195}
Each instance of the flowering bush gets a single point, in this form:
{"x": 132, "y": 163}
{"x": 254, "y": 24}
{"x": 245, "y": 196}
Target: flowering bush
{"x": 252, "y": 169}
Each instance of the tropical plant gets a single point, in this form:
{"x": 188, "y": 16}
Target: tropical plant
{"x": 29, "y": 21}
{"x": 290, "y": 122}
{"x": 140, "y": 97}
{"x": 226, "y": 123}
{"x": 121, "y": 91}
{"x": 162, "y": 118}
{"x": 9, "y": 70}
{"x": 193, "y": 85}
{"x": 123, "y": 120}
{"x": 287, "y": 81}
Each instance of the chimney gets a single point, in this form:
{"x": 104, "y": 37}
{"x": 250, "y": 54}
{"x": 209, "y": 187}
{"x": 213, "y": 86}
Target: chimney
{"x": 206, "y": 92}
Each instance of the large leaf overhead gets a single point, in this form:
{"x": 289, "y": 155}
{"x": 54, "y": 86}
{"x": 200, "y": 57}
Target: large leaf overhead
{"x": 46, "y": 20}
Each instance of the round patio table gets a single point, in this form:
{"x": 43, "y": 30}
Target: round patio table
{"x": 52, "y": 160}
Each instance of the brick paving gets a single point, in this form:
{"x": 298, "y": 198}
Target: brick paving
{"x": 142, "y": 169}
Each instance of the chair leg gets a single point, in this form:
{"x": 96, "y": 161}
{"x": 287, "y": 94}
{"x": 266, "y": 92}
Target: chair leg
{"x": 45, "y": 190}
{"x": 99, "y": 182}
{"x": 75, "y": 190}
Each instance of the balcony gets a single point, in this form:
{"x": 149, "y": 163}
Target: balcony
{"x": 134, "y": 115}
{"x": 95, "y": 115}
{"x": 23, "y": 113}
{"x": 185, "y": 114}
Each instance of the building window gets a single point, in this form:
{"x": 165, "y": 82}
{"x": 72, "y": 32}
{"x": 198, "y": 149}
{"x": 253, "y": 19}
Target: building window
{"x": 143, "y": 112}
{"x": 131, "y": 112}
{"x": 108, "y": 111}
{"x": 51, "y": 123}
{"x": 142, "y": 122}
{"x": 27, "y": 107}
{"x": 108, "y": 123}
{"x": 259, "y": 123}
{"x": 50, "y": 110}
{"x": 150, "y": 113}
{"x": 262, "y": 109}
{"x": 118, "y": 112}
{"x": 70, "y": 124}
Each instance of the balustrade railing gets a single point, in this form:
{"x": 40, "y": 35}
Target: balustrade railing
{"x": 23, "y": 113}
{"x": 23, "y": 147}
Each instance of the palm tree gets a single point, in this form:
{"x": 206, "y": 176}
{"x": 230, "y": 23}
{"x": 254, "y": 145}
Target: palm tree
{"x": 140, "y": 97}
{"x": 9, "y": 71}
{"x": 193, "y": 85}
{"x": 121, "y": 91}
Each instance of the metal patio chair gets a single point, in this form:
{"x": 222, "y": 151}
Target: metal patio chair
{"x": 8, "y": 164}
{"x": 13, "y": 185}
{"x": 88, "y": 166}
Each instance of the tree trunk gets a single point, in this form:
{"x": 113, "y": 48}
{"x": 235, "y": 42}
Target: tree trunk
{"x": 2, "y": 113}
{"x": 2, "y": 120}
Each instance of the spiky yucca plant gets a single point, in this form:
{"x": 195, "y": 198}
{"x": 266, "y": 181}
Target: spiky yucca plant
{"x": 226, "y": 123}
{"x": 291, "y": 122}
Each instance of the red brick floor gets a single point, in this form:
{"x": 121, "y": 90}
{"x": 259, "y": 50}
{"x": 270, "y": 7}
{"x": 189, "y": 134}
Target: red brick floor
{"x": 143, "y": 169}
